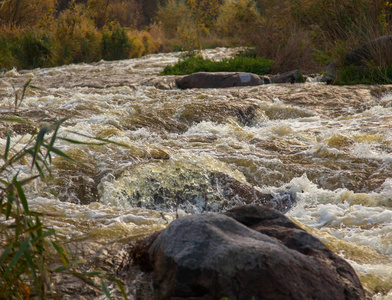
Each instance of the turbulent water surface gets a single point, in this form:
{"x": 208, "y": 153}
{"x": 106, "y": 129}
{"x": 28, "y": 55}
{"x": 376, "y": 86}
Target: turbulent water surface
{"x": 329, "y": 147}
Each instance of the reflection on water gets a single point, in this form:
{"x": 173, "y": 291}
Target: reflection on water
{"x": 329, "y": 145}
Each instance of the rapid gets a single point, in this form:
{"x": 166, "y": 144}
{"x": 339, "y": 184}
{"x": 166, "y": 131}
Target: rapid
{"x": 329, "y": 147}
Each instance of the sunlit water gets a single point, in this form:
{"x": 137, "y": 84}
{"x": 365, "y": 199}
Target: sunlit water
{"x": 331, "y": 146}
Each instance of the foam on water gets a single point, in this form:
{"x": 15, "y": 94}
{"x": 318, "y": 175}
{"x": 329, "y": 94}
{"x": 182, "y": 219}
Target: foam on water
{"x": 360, "y": 219}
{"x": 331, "y": 145}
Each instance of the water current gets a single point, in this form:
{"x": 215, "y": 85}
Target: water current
{"x": 185, "y": 151}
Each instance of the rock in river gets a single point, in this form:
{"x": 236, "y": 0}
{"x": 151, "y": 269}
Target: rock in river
{"x": 217, "y": 80}
{"x": 250, "y": 251}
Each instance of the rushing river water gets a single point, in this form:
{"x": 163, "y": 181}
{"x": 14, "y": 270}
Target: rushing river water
{"x": 329, "y": 147}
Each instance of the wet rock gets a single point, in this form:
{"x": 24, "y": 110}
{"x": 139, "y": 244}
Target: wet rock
{"x": 294, "y": 76}
{"x": 217, "y": 80}
{"x": 196, "y": 191}
{"x": 330, "y": 73}
{"x": 245, "y": 112}
{"x": 251, "y": 251}
{"x": 238, "y": 192}
{"x": 162, "y": 83}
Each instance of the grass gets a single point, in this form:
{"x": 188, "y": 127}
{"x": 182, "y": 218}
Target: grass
{"x": 193, "y": 64}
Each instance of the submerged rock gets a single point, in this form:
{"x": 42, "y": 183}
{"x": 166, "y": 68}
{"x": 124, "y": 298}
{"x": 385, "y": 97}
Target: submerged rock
{"x": 250, "y": 251}
{"x": 294, "y": 76}
{"x": 217, "y": 80}
{"x": 195, "y": 190}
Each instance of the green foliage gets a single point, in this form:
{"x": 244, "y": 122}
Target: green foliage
{"x": 25, "y": 239}
{"x": 25, "y": 49}
{"x": 7, "y": 59}
{"x": 33, "y": 50}
{"x": 29, "y": 249}
{"x": 115, "y": 45}
{"x": 258, "y": 65}
{"x": 364, "y": 75}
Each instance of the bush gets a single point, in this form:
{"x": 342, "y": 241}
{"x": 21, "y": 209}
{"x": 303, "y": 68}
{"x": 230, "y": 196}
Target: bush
{"x": 364, "y": 75}
{"x": 258, "y": 65}
{"x": 7, "y": 44}
{"x": 115, "y": 45}
{"x": 77, "y": 39}
{"x": 237, "y": 18}
{"x": 126, "y": 13}
{"x": 26, "y": 13}
{"x": 33, "y": 50}
{"x": 25, "y": 49}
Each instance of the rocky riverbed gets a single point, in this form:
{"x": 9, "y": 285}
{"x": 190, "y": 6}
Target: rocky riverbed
{"x": 320, "y": 153}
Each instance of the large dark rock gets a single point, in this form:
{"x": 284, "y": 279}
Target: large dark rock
{"x": 330, "y": 73}
{"x": 251, "y": 251}
{"x": 217, "y": 80}
{"x": 379, "y": 49}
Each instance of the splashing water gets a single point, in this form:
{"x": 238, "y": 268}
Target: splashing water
{"x": 330, "y": 145}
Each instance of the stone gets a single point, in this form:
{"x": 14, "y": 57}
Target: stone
{"x": 251, "y": 251}
{"x": 217, "y": 80}
{"x": 379, "y": 49}
{"x": 225, "y": 192}
{"x": 294, "y": 76}
{"x": 237, "y": 192}
{"x": 159, "y": 82}
{"x": 330, "y": 73}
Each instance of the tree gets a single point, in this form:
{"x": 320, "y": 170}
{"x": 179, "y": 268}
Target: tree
{"x": 22, "y": 13}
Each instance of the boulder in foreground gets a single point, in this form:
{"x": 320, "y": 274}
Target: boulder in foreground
{"x": 250, "y": 251}
{"x": 217, "y": 80}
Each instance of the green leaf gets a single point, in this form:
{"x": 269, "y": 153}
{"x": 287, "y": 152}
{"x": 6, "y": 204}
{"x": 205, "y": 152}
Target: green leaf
{"x": 27, "y": 180}
{"x": 6, "y": 253}
{"x": 120, "y": 286}
{"x": 106, "y": 290}
{"x": 21, "y": 194}
{"x": 62, "y": 253}
{"x": 24, "y": 92}
{"x": 13, "y": 120}
{"x": 81, "y": 143}
{"x": 31, "y": 264}
{"x": 7, "y": 146}
{"x": 98, "y": 139}
{"x": 11, "y": 199}
{"x": 54, "y": 136}
{"x": 58, "y": 152}
{"x": 61, "y": 269}
{"x": 17, "y": 256}
{"x": 39, "y": 142}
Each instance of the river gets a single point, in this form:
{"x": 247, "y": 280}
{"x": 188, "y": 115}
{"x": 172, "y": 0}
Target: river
{"x": 330, "y": 146}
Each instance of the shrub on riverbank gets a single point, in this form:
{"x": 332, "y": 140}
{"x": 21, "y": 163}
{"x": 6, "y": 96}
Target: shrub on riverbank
{"x": 364, "y": 75}
{"x": 192, "y": 64}
{"x": 71, "y": 42}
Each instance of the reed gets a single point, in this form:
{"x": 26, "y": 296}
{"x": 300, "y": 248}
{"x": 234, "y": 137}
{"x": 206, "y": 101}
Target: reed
{"x": 29, "y": 248}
